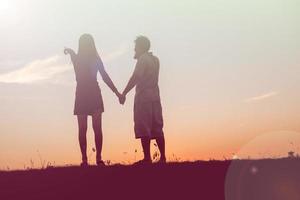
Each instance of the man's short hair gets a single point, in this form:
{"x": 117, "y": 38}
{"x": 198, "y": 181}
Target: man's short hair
{"x": 143, "y": 42}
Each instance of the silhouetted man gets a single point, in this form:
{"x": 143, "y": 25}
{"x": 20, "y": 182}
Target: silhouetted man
{"x": 148, "y": 120}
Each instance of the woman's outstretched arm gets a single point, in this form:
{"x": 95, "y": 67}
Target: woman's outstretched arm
{"x": 107, "y": 80}
{"x": 70, "y": 52}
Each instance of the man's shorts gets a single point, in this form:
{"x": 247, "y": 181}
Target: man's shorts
{"x": 148, "y": 120}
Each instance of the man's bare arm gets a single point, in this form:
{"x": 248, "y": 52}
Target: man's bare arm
{"x": 131, "y": 83}
{"x": 135, "y": 77}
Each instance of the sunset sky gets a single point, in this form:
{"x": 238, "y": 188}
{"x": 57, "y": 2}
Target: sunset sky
{"x": 230, "y": 75}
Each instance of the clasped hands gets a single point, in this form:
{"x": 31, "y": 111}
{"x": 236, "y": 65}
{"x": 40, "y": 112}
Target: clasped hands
{"x": 122, "y": 97}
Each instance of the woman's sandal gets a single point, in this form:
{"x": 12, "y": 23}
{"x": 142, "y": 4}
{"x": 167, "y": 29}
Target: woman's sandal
{"x": 84, "y": 164}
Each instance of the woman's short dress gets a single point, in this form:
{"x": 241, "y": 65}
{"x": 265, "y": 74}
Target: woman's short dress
{"x": 88, "y": 98}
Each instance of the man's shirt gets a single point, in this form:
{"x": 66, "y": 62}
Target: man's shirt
{"x": 147, "y": 73}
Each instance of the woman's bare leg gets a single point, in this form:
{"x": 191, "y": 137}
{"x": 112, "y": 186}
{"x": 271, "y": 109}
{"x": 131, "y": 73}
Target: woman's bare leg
{"x": 97, "y": 126}
{"x": 82, "y": 128}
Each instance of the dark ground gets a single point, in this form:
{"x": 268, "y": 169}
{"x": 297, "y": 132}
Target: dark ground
{"x": 213, "y": 180}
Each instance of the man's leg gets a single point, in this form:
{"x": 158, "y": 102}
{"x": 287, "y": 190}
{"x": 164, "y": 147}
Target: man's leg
{"x": 82, "y": 128}
{"x": 160, "y": 141}
{"x": 146, "y": 148}
{"x": 97, "y": 127}
{"x": 157, "y": 129}
{"x": 142, "y": 122}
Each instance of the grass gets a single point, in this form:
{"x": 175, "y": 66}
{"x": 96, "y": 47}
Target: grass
{"x": 229, "y": 179}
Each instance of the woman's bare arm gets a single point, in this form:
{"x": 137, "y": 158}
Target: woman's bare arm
{"x": 70, "y": 52}
{"x": 107, "y": 80}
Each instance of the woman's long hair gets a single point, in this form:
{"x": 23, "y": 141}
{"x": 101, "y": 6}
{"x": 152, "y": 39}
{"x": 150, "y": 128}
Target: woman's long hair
{"x": 87, "y": 51}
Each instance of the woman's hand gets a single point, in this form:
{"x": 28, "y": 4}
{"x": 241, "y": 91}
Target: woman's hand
{"x": 68, "y": 51}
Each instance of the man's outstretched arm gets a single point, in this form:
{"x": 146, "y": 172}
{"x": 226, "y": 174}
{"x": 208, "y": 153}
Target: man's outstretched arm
{"x": 137, "y": 74}
{"x": 131, "y": 83}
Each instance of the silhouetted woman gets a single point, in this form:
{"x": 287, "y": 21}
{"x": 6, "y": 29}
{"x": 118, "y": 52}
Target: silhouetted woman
{"x": 88, "y": 100}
